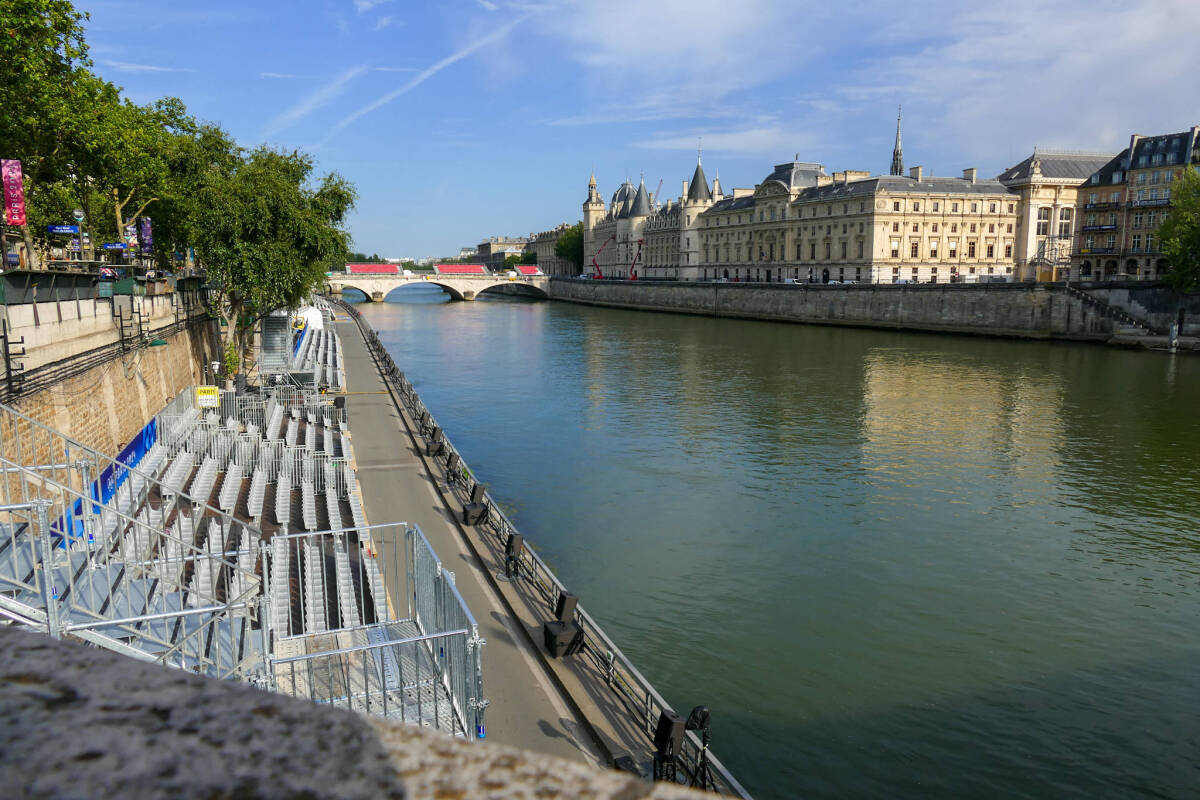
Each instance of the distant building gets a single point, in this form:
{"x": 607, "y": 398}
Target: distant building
{"x": 1122, "y": 204}
{"x": 495, "y": 249}
{"x": 466, "y": 252}
{"x": 1047, "y": 183}
{"x": 543, "y": 245}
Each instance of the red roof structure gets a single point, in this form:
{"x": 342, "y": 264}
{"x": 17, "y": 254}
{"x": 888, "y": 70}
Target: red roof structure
{"x": 373, "y": 269}
{"x": 528, "y": 269}
{"x": 460, "y": 269}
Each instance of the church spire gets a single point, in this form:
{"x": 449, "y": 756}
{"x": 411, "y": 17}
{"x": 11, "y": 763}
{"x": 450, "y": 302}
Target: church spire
{"x": 897, "y": 153}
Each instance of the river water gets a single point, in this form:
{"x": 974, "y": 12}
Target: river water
{"x": 892, "y": 564}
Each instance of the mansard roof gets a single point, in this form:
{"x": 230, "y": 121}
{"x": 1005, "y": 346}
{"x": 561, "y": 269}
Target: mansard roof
{"x": 1056, "y": 166}
{"x": 1104, "y": 175}
{"x": 900, "y": 184}
{"x": 698, "y": 191}
{"x": 731, "y": 204}
{"x": 796, "y": 175}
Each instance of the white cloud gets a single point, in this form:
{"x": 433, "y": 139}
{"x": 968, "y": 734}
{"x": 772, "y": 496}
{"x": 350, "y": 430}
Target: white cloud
{"x": 364, "y": 6}
{"x": 277, "y": 75}
{"x": 384, "y": 22}
{"x": 125, "y": 66}
{"x": 312, "y": 102}
{"x": 395, "y": 69}
{"x": 488, "y": 5}
{"x": 770, "y": 141}
{"x": 424, "y": 75}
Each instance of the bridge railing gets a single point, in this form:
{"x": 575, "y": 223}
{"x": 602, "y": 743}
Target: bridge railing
{"x": 642, "y": 702}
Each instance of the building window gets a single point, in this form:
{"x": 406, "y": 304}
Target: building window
{"x": 972, "y": 227}
{"x": 895, "y": 227}
{"x": 916, "y": 227}
{"x": 954, "y": 207}
{"x": 991, "y": 250}
{"x": 812, "y": 251}
{"x": 991, "y": 227}
{"x": 992, "y": 208}
{"x": 798, "y": 251}
{"x": 954, "y": 227}
{"x": 895, "y": 248}
{"x": 896, "y": 206}
{"x": 1137, "y": 242}
{"x": 827, "y": 246}
{"x": 916, "y": 205}
{"x": 845, "y": 208}
{"x": 933, "y": 248}
{"x": 971, "y": 249}
{"x": 843, "y": 251}
{"x": 1043, "y": 225}
{"x": 860, "y": 248}
{"x": 1011, "y": 207}
{"x": 862, "y": 207}
{"x": 974, "y": 207}
{"x": 1009, "y": 228}
{"x": 915, "y": 249}
{"x": 1008, "y": 251}
{"x": 936, "y": 204}
{"x": 954, "y": 248}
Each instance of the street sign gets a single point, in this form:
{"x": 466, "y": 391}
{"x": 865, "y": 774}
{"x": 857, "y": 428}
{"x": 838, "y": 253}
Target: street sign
{"x": 114, "y": 245}
{"x": 208, "y": 397}
{"x": 63, "y": 228}
{"x": 77, "y": 214}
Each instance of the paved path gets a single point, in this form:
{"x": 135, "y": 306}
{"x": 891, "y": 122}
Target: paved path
{"x": 526, "y": 710}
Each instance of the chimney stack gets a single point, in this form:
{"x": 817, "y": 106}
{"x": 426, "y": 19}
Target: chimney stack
{"x": 683, "y": 192}
{"x": 915, "y": 173}
{"x": 969, "y": 174}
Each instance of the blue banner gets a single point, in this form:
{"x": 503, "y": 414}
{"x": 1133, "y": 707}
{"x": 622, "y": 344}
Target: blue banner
{"x": 112, "y": 477}
{"x": 63, "y": 228}
{"x": 114, "y": 245}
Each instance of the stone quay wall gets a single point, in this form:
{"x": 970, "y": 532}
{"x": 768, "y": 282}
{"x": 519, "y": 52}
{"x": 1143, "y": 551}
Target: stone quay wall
{"x": 1023, "y": 310}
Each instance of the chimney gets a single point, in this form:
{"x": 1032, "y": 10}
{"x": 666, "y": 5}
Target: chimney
{"x": 915, "y": 173}
{"x": 684, "y": 192}
{"x": 969, "y": 174}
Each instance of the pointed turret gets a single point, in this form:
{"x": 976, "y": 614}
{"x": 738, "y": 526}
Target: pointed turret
{"x": 698, "y": 187}
{"x": 641, "y": 201}
{"x": 897, "y": 153}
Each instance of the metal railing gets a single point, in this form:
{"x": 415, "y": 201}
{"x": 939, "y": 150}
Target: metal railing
{"x": 384, "y": 627}
{"x": 642, "y": 702}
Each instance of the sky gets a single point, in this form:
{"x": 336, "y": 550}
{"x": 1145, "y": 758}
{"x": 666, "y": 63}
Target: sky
{"x": 463, "y": 119}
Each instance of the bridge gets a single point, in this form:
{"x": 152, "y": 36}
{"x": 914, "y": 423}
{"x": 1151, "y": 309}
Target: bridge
{"x": 459, "y": 287}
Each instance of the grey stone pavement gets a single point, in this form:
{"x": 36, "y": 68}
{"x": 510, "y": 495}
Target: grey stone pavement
{"x": 526, "y": 709}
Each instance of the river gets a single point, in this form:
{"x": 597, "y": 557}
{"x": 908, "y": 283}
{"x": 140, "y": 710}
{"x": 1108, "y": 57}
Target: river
{"x": 892, "y": 564}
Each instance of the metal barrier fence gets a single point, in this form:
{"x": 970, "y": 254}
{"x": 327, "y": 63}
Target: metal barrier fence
{"x": 385, "y": 628}
{"x": 641, "y": 700}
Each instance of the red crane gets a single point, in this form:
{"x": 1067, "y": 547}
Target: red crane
{"x": 633, "y": 264}
{"x": 600, "y": 274}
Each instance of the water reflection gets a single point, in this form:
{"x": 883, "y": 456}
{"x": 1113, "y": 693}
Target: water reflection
{"x": 875, "y": 555}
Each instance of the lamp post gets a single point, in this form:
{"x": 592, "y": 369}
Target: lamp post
{"x": 79, "y": 217}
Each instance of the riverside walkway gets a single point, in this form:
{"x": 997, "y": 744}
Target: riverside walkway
{"x": 526, "y": 709}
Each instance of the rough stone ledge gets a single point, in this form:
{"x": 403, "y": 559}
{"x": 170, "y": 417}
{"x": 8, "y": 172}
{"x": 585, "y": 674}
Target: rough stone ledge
{"x": 79, "y": 722}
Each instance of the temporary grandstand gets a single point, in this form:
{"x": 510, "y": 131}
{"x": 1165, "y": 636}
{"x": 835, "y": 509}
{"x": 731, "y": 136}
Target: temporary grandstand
{"x": 232, "y": 542}
{"x": 461, "y": 269}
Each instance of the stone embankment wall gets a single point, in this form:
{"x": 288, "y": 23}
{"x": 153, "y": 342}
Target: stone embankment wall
{"x": 1036, "y": 311}
{"x": 1156, "y": 305}
{"x": 80, "y": 722}
{"x": 105, "y": 405}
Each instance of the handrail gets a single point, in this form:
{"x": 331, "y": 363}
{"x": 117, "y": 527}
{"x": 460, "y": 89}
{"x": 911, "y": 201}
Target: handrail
{"x": 653, "y": 703}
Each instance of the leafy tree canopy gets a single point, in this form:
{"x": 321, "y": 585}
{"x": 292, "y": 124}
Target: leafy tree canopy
{"x": 528, "y": 257}
{"x": 1179, "y": 234}
{"x": 570, "y": 245}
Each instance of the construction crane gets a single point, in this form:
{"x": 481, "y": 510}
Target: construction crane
{"x": 657, "y": 192}
{"x": 600, "y": 274}
{"x": 633, "y": 264}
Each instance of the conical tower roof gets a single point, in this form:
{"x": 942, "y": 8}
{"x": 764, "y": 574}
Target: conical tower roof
{"x": 698, "y": 189}
{"x": 641, "y": 202}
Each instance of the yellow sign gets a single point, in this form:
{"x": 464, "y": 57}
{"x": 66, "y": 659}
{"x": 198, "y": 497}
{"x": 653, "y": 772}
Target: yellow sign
{"x": 208, "y": 397}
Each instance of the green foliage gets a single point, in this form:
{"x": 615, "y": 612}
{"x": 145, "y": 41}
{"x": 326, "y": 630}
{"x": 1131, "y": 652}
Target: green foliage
{"x": 511, "y": 261}
{"x": 1179, "y": 234}
{"x": 363, "y": 258}
{"x": 265, "y": 236}
{"x": 232, "y": 359}
{"x": 570, "y": 245}
{"x": 528, "y": 257}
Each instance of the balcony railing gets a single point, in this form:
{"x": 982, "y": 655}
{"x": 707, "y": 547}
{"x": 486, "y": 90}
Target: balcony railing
{"x": 1099, "y": 228}
{"x": 1101, "y": 206}
{"x": 1093, "y": 251}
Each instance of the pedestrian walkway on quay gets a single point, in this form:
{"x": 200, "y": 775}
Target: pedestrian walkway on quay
{"x": 526, "y": 709}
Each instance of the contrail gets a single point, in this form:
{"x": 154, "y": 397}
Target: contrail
{"x": 423, "y": 76}
{"x": 312, "y": 102}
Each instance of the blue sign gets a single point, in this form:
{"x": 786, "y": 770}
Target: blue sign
{"x": 63, "y": 228}
{"x": 114, "y": 245}
{"x": 113, "y": 476}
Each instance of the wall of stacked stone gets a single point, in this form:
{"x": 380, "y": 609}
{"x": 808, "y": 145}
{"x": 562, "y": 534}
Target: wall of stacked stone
{"x": 106, "y": 406}
{"x": 1038, "y": 311}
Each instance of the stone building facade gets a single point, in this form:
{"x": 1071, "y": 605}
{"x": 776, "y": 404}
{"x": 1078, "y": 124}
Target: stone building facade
{"x": 1122, "y": 204}
{"x": 492, "y": 251}
{"x": 543, "y": 244}
{"x": 1047, "y": 184}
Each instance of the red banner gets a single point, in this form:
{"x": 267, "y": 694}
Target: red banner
{"x": 14, "y": 192}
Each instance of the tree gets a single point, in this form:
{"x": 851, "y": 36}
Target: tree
{"x": 570, "y": 245}
{"x": 1179, "y": 234}
{"x": 266, "y": 238}
{"x": 528, "y": 257}
{"x": 511, "y": 261}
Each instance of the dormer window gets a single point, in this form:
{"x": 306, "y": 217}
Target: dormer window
{"x": 1117, "y": 176}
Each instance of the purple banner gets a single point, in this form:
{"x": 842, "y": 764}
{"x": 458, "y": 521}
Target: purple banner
{"x": 146, "y": 237}
{"x": 14, "y": 192}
